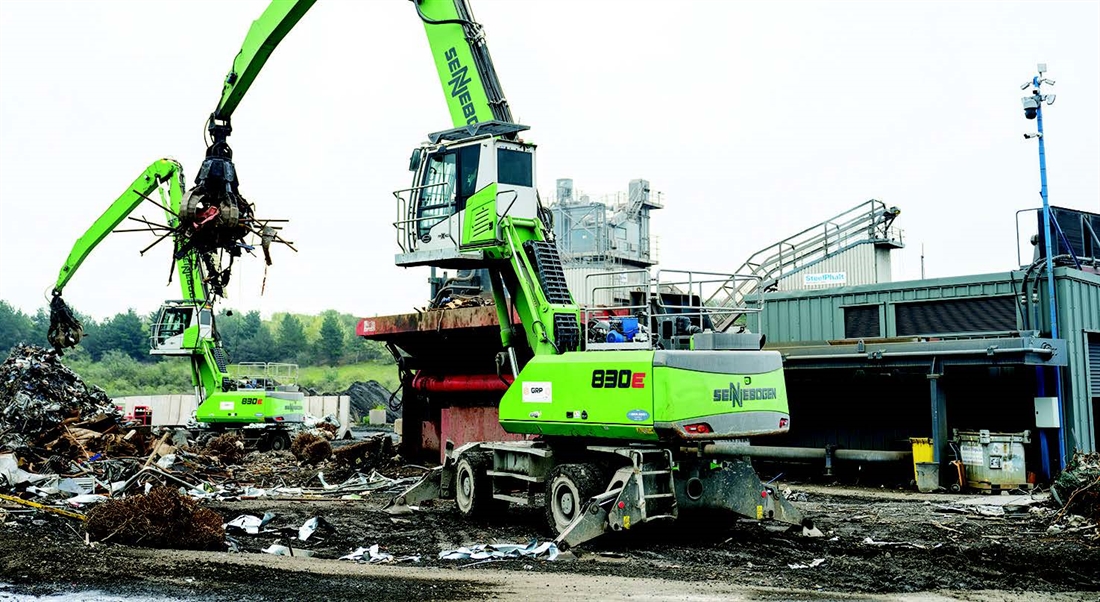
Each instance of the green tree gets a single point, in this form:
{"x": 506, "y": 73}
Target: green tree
{"x": 330, "y": 346}
{"x": 262, "y": 347}
{"x": 250, "y": 325}
{"x": 228, "y": 326}
{"x": 125, "y": 333}
{"x": 93, "y": 341}
{"x": 15, "y": 327}
{"x": 245, "y": 347}
{"x": 291, "y": 339}
{"x": 40, "y": 326}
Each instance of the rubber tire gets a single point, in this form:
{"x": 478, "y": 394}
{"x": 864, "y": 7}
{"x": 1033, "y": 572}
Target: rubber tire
{"x": 570, "y": 485}
{"x": 473, "y": 487}
{"x": 279, "y": 441}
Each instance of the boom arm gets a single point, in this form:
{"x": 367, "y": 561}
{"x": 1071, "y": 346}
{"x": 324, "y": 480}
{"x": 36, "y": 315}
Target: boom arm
{"x": 65, "y": 329}
{"x": 164, "y": 170}
{"x": 470, "y": 82}
{"x": 263, "y": 36}
{"x": 466, "y": 72}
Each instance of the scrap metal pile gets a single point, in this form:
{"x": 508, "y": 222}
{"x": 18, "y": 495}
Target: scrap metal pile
{"x": 1077, "y": 489}
{"x": 162, "y": 518}
{"x": 65, "y": 449}
{"x": 49, "y": 417}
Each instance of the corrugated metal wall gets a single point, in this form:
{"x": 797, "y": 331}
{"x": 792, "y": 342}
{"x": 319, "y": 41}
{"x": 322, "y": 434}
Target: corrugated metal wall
{"x": 859, "y": 264}
{"x": 806, "y": 316}
{"x": 802, "y": 316}
{"x": 1078, "y": 296}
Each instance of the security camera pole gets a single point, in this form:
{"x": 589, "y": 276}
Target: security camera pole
{"x": 1033, "y": 109}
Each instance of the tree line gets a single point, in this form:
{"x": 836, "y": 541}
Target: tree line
{"x": 327, "y": 339}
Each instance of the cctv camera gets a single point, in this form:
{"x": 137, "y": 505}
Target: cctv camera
{"x": 1031, "y": 106}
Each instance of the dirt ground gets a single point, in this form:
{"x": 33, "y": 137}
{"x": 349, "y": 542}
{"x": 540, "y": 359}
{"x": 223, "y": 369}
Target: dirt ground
{"x": 878, "y": 544}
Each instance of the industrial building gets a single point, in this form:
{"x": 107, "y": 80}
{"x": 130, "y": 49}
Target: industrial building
{"x": 869, "y": 366}
{"x": 604, "y": 242}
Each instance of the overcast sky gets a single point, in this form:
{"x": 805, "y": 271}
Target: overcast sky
{"x": 755, "y": 119}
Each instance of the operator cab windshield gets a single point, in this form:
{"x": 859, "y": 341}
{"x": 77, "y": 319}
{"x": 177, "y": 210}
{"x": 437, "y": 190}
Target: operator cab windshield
{"x": 449, "y": 180}
{"x": 173, "y": 321}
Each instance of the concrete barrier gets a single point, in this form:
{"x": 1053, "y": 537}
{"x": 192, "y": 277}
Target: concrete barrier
{"x": 177, "y": 409}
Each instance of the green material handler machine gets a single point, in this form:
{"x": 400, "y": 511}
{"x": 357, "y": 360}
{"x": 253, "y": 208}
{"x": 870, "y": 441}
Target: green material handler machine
{"x": 260, "y": 400}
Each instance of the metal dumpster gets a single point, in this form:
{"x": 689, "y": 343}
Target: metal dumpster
{"x": 993, "y": 462}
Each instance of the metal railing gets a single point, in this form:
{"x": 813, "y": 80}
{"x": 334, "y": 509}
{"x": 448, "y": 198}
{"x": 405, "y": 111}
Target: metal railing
{"x": 409, "y": 223}
{"x": 868, "y": 222}
{"x": 690, "y": 287}
{"x": 265, "y": 375}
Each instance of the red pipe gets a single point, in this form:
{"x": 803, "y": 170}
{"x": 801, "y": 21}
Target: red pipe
{"x": 461, "y": 383}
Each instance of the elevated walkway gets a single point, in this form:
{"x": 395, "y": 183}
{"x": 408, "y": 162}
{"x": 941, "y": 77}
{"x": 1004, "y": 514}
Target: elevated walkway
{"x": 867, "y": 223}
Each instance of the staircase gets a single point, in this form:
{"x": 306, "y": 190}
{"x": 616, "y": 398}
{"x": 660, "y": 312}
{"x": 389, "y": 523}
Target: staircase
{"x": 866, "y": 223}
{"x": 550, "y": 272}
{"x": 551, "y": 275}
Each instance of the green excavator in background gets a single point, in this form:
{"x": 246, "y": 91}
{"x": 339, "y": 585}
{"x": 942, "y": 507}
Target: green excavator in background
{"x": 635, "y": 411}
{"x": 261, "y": 397}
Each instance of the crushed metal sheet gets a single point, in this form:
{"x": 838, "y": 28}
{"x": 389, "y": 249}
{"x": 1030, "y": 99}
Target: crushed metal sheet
{"x": 281, "y": 550}
{"x": 247, "y": 523}
{"x": 11, "y": 475}
{"x": 87, "y": 498}
{"x": 983, "y": 510}
{"x": 811, "y": 531}
{"x": 816, "y": 562}
{"x": 311, "y": 525}
{"x": 373, "y": 555}
{"x": 497, "y": 550}
{"x": 250, "y": 524}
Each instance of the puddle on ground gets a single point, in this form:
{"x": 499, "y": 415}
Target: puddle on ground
{"x": 81, "y": 596}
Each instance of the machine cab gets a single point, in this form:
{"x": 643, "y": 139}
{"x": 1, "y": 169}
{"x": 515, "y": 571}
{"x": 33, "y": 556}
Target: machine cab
{"x": 180, "y": 327}
{"x": 462, "y": 185}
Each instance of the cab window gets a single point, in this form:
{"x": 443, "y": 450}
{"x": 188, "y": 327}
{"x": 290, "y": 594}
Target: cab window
{"x": 173, "y": 322}
{"x": 437, "y": 195}
{"x": 514, "y": 167}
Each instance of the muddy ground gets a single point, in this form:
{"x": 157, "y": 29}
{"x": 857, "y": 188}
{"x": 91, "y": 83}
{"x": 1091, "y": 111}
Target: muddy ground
{"x": 915, "y": 547}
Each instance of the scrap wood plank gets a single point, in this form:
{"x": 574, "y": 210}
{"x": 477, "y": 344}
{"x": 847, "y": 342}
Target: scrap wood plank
{"x": 156, "y": 448}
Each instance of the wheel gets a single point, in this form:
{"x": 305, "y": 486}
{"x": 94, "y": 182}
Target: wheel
{"x": 567, "y": 490}
{"x": 279, "y": 441}
{"x": 473, "y": 487}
